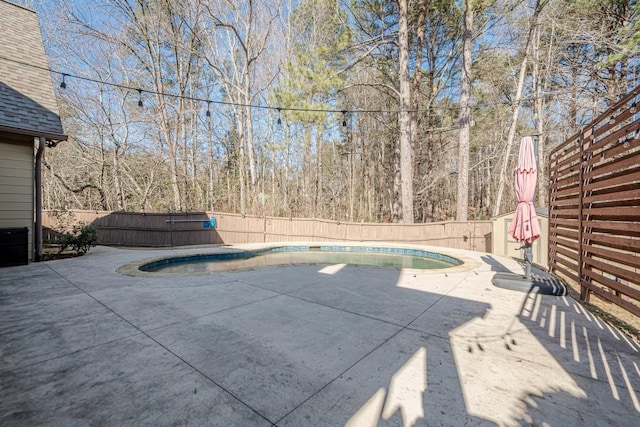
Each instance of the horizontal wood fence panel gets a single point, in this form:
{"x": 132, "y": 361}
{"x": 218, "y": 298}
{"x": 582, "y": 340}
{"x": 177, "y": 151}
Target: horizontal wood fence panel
{"x": 627, "y": 193}
{"x": 563, "y": 250}
{"x": 615, "y": 165}
{"x": 565, "y": 242}
{"x": 594, "y": 199}
{"x": 562, "y": 222}
{"x": 566, "y": 267}
{"x": 619, "y": 288}
{"x": 618, "y": 272}
{"x": 570, "y": 234}
{"x": 567, "y": 192}
{"x": 614, "y": 227}
{"x": 564, "y": 203}
{"x": 568, "y": 271}
{"x": 619, "y": 301}
{"x": 627, "y": 259}
{"x": 621, "y": 178}
{"x": 615, "y": 242}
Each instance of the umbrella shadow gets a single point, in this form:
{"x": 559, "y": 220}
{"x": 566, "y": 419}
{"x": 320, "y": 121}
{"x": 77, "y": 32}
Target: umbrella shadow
{"x": 495, "y": 264}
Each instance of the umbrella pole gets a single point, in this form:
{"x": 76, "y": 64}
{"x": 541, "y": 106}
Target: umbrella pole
{"x": 528, "y": 257}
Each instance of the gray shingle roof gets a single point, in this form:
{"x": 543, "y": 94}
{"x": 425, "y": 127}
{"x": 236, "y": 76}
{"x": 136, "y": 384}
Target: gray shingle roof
{"x": 27, "y": 102}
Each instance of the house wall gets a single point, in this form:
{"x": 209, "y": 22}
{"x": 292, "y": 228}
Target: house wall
{"x": 16, "y": 183}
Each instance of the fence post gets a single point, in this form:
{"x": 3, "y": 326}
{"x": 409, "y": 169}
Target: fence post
{"x": 170, "y": 228}
{"x": 583, "y": 289}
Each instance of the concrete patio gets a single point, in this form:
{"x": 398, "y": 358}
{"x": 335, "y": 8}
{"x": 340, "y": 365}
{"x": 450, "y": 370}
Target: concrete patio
{"x": 311, "y": 345}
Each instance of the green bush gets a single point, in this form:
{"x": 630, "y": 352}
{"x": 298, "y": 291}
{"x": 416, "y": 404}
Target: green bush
{"x": 81, "y": 239}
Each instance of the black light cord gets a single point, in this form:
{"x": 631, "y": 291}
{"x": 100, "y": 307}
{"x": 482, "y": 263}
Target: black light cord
{"x": 66, "y": 75}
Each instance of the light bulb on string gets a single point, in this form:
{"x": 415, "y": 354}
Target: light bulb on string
{"x": 279, "y": 119}
{"x": 140, "y": 104}
{"x": 344, "y": 118}
{"x": 633, "y": 108}
{"x": 208, "y": 113}
{"x": 63, "y": 84}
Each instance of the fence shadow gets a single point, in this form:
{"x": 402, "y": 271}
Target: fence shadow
{"x": 603, "y": 362}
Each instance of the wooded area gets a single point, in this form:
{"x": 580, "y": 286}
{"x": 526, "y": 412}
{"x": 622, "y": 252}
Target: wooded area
{"x": 350, "y": 110}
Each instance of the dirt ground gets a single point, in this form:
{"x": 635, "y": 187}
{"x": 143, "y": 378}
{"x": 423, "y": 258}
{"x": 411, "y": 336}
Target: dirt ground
{"x": 50, "y": 253}
{"x": 607, "y": 311}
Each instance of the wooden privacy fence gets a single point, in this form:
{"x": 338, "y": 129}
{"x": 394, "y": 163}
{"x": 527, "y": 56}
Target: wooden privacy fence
{"x": 594, "y": 197}
{"x": 163, "y": 229}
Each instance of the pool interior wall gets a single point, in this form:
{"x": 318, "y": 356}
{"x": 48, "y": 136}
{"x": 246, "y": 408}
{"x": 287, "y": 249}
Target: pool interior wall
{"x": 227, "y": 256}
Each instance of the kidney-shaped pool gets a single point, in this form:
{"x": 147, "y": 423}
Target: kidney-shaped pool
{"x": 383, "y": 257}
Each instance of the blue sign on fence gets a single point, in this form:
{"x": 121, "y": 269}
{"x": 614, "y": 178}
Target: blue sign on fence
{"x": 209, "y": 224}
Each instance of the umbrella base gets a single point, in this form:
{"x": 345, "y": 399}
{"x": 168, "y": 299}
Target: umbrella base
{"x": 518, "y": 282}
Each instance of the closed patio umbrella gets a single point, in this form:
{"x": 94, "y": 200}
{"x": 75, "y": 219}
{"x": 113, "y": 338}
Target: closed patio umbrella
{"x": 525, "y": 227}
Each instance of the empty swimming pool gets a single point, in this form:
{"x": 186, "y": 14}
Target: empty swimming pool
{"x": 382, "y": 257}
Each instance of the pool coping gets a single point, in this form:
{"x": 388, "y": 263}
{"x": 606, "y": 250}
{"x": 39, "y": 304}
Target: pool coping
{"x": 133, "y": 268}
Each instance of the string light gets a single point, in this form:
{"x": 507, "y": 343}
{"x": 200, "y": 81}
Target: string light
{"x": 208, "y": 109}
{"x": 140, "y": 104}
{"x": 633, "y": 107}
{"x": 344, "y": 118}
{"x": 267, "y": 107}
{"x": 279, "y": 119}
{"x": 612, "y": 120}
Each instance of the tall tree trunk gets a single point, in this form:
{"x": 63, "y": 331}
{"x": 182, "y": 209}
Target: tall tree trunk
{"x": 287, "y": 161}
{"x": 417, "y": 81}
{"x": 462, "y": 198}
{"x": 242, "y": 167}
{"x": 317, "y": 208}
{"x": 396, "y": 207}
{"x": 516, "y": 107}
{"x": 117, "y": 179}
{"x": 541, "y": 84}
{"x": 248, "y": 124}
{"x": 210, "y": 165}
{"x": 406, "y": 162}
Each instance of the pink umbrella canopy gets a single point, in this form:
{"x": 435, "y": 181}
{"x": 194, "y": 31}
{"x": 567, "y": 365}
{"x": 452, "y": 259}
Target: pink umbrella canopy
{"x": 525, "y": 226}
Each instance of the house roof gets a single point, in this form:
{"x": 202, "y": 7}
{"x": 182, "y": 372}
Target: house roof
{"x": 27, "y": 102}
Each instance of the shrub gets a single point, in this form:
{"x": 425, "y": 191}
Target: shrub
{"x": 86, "y": 237}
{"x": 81, "y": 239}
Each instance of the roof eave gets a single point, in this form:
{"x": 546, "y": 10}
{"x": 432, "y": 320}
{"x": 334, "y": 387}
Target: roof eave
{"x": 34, "y": 133}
